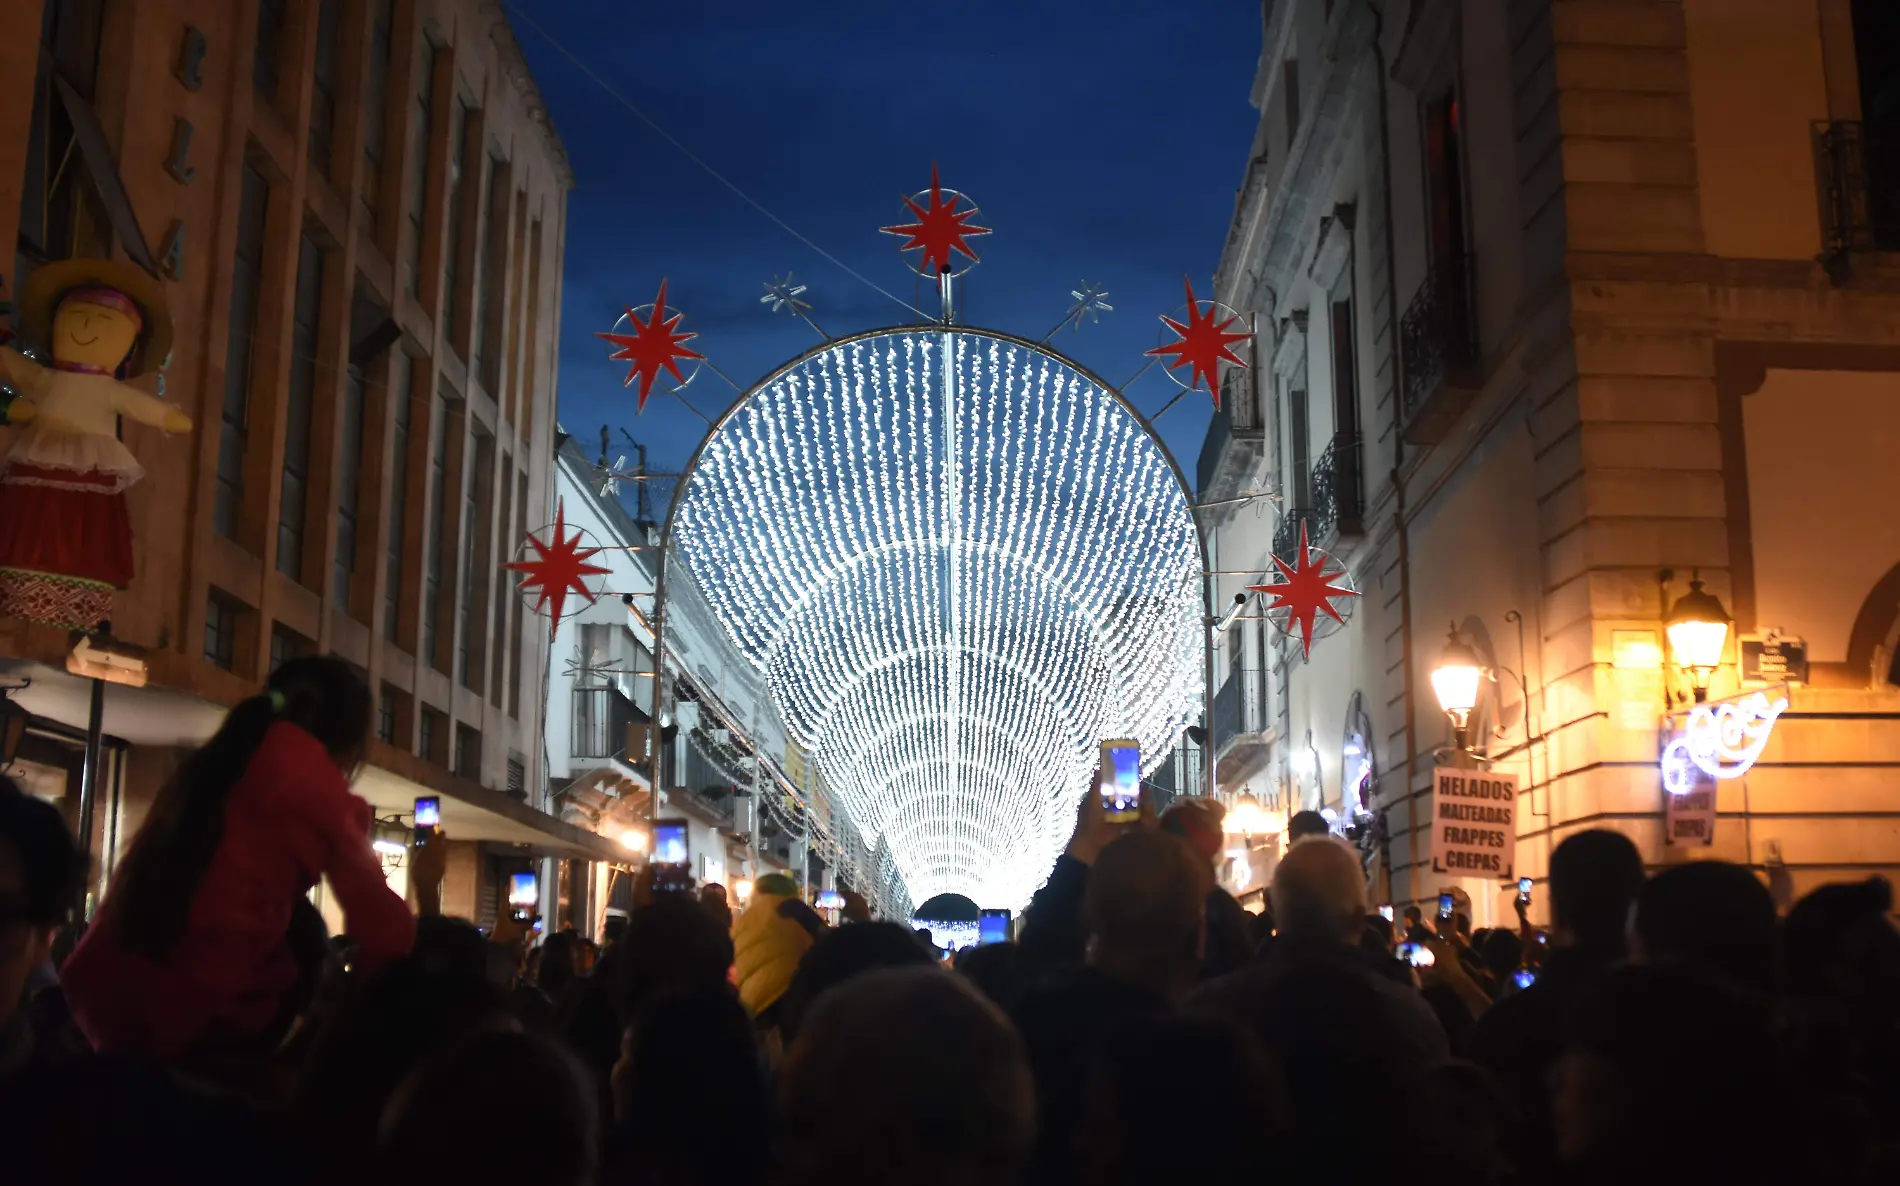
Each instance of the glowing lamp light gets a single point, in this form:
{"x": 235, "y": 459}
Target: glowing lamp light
{"x": 389, "y": 848}
{"x": 1455, "y": 681}
{"x": 1245, "y": 818}
{"x": 742, "y": 890}
{"x": 633, "y": 840}
{"x": 1698, "y": 627}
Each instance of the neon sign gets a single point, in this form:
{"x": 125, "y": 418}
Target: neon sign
{"x": 1720, "y": 740}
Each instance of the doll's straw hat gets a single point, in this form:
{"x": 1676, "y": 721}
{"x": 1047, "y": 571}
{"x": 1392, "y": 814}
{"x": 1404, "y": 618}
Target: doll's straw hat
{"x": 49, "y": 284}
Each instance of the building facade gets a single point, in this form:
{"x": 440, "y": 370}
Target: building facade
{"x": 357, "y": 210}
{"x": 1564, "y": 305}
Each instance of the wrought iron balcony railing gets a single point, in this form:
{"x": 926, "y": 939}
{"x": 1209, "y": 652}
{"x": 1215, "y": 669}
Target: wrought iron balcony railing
{"x": 1857, "y": 170}
{"x": 1438, "y": 348}
{"x": 1338, "y": 503}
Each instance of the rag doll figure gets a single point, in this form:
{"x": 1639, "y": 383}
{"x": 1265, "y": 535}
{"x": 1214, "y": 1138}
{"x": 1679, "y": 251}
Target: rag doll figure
{"x": 65, "y": 537}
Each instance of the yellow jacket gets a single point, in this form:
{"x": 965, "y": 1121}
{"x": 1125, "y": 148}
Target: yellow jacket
{"x": 767, "y": 947}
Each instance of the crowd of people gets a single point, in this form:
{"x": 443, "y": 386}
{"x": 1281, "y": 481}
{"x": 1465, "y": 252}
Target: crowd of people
{"x": 1142, "y": 1028}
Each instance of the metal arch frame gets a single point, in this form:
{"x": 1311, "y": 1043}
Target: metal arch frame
{"x": 690, "y": 472}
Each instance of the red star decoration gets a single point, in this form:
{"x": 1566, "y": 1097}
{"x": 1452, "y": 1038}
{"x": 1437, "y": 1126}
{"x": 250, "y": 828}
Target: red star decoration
{"x": 1305, "y": 590}
{"x": 1202, "y": 345}
{"x": 939, "y": 229}
{"x": 558, "y": 568}
{"x": 652, "y": 345}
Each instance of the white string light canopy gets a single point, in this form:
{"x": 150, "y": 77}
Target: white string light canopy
{"x": 956, "y": 581}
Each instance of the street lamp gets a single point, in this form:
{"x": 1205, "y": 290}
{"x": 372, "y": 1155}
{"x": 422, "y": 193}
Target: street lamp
{"x": 633, "y": 840}
{"x": 1455, "y": 682}
{"x": 1698, "y": 627}
{"x": 1245, "y": 818}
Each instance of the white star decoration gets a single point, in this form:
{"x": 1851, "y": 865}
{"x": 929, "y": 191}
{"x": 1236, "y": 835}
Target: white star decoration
{"x": 1091, "y": 301}
{"x": 781, "y": 293}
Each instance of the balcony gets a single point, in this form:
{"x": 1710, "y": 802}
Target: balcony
{"x": 601, "y": 717}
{"x": 1338, "y": 504}
{"x": 1857, "y": 169}
{"x": 1235, "y": 442}
{"x": 1242, "y": 738}
{"x": 1438, "y": 351}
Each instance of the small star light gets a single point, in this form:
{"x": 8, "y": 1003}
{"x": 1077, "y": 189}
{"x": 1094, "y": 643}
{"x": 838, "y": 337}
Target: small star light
{"x": 1091, "y": 301}
{"x": 1203, "y": 343}
{"x": 940, "y": 229}
{"x": 559, "y": 567}
{"x": 783, "y": 293}
{"x": 1305, "y": 590}
{"x": 610, "y": 486}
{"x": 653, "y": 344}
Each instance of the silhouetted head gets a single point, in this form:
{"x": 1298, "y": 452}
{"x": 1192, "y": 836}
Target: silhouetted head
{"x": 544, "y": 1126}
{"x": 1319, "y": 892}
{"x": 1305, "y": 824}
{"x": 904, "y": 1075}
{"x": 1714, "y": 914}
{"x": 1146, "y": 912}
{"x": 838, "y": 956}
{"x": 1594, "y": 878}
{"x": 41, "y": 872}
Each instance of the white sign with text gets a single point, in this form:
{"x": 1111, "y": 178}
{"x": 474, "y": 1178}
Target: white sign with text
{"x": 1474, "y": 823}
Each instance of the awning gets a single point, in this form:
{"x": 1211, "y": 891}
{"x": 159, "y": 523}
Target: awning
{"x": 476, "y": 813}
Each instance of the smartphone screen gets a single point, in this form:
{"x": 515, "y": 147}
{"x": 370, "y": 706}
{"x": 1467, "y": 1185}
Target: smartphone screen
{"x": 830, "y": 900}
{"x": 1121, "y": 781}
{"x": 1445, "y": 903}
{"x": 1523, "y": 889}
{"x": 1385, "y": 912}
{"x": 523, "y": 893}
{"x": 993, "y": 927}
{"x": 672, "y": 858}
{"x": 428, "y": 819}
{"x": 1524, "y": 978}
{"x": 1417, "y": 954}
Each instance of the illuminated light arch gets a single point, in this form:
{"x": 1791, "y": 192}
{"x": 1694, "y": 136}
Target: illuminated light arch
{"x": 954, "y": 581}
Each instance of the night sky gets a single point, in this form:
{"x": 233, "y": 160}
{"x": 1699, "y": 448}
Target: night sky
{"x": 1103, "y": 141}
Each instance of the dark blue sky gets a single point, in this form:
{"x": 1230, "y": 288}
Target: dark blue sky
{"x": 1103, "y": 140}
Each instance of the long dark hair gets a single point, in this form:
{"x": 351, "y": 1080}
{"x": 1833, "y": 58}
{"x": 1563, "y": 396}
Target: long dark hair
{"x": 320, "y": 695}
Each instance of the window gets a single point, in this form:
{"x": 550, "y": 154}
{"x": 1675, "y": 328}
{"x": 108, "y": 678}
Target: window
{"x": 349, "y": 475}
{"x": 468, "y": 753}
{"x": 452, "y": 252}
{"x": 294, "y": 488}
{"x": 247, "y": 276}
{"x": 376, "y": 109}
{"x": 514, "y": 635}
{"x": 472, "y": 654}
{"x": 438, "y": 511}
{"x": 503, "y": 603}
{"x": 388, "y": 710}
{"x": 400, "y": 396}
{"x": 485, "y": 353}
{"x": 517, "y": 778}
{"x": 324, "y": 83}
{"x": 1301, "y": 460}
{"x": 421, "y": 117}
{"x": 1290, "y": 74}
{"x": 1444, "y": 178}
{"x": 524, "y": 382}
{"x": 432, "y": 726}
{"x": 268, "y": 52}
{"x": 1345, "y": 370}
{"x": 286, "y": 644}
{"x": 221, "y": 627}
{"x": 61, "y": 212}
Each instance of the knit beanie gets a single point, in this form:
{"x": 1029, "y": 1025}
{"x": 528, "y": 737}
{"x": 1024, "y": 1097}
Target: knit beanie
{"x": 780, "y": 884}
